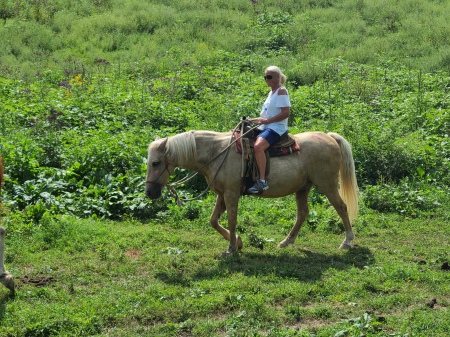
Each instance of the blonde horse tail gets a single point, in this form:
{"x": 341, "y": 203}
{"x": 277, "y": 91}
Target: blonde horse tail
{"x": 348, "y": 184}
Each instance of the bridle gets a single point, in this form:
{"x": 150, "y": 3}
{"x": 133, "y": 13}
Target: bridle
{"x": 166, "y": 168}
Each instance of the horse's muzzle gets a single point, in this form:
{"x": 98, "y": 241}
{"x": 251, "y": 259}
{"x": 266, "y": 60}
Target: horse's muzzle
{"x": 153, "y": 191}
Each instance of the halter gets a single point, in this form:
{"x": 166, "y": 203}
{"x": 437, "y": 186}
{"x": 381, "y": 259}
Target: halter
{"x": 166, "y": 168}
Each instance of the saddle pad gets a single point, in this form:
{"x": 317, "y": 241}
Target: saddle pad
{"x": 275, "y": 150}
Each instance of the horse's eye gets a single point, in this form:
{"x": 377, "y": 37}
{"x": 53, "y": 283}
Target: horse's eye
{"x": 155, "y": 163}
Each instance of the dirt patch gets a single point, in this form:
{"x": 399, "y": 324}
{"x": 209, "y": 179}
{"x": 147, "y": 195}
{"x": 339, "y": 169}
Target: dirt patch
{"x": 36, "y": 281}
{"x": 133, "y": 254}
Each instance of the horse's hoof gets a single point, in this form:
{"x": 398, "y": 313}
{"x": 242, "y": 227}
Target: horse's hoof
{"x": 344, "y": 246}
{"x": 225, "y": 254}
{"x": 285, "y": 243}
{"x": 282, "y": 244}
{"x": 8, "y": 281}
{"x": 239, "y": 242}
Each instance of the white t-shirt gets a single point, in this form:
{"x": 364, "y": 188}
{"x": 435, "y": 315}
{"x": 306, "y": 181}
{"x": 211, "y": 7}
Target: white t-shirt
{"x": 272, "y": 107}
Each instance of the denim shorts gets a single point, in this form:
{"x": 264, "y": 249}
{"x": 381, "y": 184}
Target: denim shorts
{"x": 271, "y": 136}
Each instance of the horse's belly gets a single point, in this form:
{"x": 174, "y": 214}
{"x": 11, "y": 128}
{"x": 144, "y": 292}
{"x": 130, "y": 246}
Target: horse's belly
{"x": 284, "y": 183}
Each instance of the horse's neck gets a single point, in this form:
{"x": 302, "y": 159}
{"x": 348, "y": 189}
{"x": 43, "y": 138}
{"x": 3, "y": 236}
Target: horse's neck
{"x": 209, "y": 145}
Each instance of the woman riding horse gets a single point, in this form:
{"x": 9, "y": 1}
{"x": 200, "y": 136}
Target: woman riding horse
{"x": 325, "y": 160}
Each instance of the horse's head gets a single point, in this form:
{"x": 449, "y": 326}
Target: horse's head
{"x": 158, "y": 173}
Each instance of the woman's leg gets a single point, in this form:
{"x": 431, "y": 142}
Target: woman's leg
{"x": 260, "y": 146}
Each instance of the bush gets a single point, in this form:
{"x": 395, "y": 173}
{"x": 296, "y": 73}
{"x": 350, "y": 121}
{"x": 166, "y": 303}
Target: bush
{"x": 407, "y": 198}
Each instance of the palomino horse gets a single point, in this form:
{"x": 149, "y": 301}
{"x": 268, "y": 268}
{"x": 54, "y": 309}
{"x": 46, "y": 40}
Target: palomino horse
{"x": 5, "y": 277}
{"x": 324, "y": 161}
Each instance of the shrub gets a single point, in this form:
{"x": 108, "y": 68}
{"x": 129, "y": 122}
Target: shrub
{"x": 408, "y": 198}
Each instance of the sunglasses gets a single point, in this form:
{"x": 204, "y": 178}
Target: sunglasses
{"x": 268, "y": 77}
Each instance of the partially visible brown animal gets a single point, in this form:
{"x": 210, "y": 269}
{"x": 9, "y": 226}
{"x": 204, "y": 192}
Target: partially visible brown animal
{"x": 1, "y": 174}
{"x": 5, "y": 277}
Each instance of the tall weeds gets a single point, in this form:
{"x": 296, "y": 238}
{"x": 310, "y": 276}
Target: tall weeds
{"x": 49, "y": 33}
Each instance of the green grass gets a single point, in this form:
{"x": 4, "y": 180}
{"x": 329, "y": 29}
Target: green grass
{"x": 74, "y": 150}
{"x": 86, "y": 85}
{"x": 164, "y": 34}
{"x": 95, "y": 278}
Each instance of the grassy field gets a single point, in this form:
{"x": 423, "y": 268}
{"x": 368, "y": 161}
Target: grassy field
{"x": 157, "y": 36}
{"x": 98, "y": 278}
{"x": 86, "y": 85}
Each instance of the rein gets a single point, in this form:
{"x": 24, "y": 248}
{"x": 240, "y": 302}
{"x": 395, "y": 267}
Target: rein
{"x": 171, "y": 188}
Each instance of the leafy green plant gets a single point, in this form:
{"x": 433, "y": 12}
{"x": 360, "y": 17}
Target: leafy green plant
{"x": 365, "y": 324}
{"x": 406, "y": 198}
{"x": 85, "y": 86}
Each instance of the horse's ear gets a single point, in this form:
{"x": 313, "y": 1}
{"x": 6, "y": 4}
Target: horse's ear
{"x": 162, "y": 146}
{"x": 157, "y": 137}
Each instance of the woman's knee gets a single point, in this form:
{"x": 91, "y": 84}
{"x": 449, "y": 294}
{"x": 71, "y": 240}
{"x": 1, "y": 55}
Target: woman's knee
{"x": 258, "y": 148}
{"x": 260, "y": 145}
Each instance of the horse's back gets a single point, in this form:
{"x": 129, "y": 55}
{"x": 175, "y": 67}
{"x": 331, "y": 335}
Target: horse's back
{"x": 318, "y": 146}
{"x": 318, "y": 162}
{"x": 315, "y": 137}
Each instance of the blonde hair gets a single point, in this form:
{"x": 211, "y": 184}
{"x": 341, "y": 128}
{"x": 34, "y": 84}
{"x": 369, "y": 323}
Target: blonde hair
{"x": 275, "y": 69}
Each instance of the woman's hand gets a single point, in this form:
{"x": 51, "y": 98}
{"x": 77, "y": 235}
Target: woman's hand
{"x": 258, "y": 120}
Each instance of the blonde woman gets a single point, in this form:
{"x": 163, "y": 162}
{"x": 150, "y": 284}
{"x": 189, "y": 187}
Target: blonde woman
{"x": 273, "y": 122}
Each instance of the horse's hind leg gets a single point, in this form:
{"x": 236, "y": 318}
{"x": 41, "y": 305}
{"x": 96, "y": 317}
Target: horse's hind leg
{"x": 301, "y": 197}
{"x": 341, "y": 208}
{"x": 219, "y": 209}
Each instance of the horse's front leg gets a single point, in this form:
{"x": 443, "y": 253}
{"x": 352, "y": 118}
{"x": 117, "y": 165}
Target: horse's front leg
{"x": 219, "y": 209}
{"x": 231, "y": 202}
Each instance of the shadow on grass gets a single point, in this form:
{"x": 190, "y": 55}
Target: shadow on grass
{"x": 4, "y": 299}
{"x": 174, "y": 277}
{"x": 303, "y": 265}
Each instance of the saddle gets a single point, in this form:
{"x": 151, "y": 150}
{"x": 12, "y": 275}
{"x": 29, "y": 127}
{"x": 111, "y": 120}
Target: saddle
{"x": 286, "y": 145}
{"x": 244, "y": 146}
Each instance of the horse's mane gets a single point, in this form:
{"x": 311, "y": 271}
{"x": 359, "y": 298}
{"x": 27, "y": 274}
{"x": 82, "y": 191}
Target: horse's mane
{"x": 181, "y": 148}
